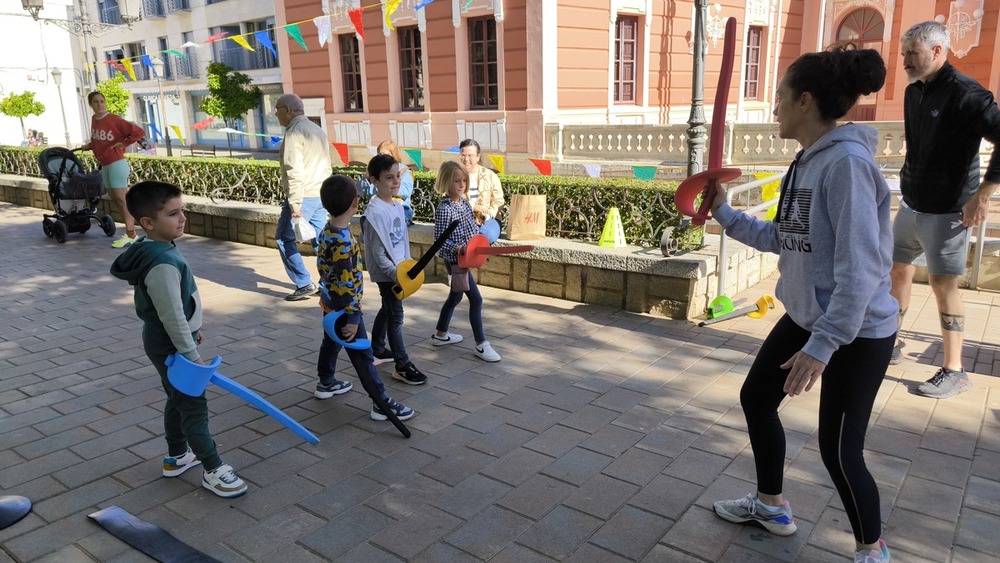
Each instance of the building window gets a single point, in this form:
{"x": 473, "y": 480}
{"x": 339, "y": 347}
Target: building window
{"x": 350, "y": 65}
{"x": 411, "y": 69}
{"x": 262, "y": 57}
{"x": 626, "y": 46}
{"x": 483, "y": 60}
{"x": 751, "y": 80}
{"x": 168, "y": 71}
{"x": 108, "y": 12}
{"x": 114, "y": 55}
{"x": 134, "y": 53}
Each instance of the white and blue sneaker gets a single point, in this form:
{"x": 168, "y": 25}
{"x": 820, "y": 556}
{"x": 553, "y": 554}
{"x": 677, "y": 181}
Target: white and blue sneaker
{"x": 778, "y": 521}
{"x": 401, "y": 412}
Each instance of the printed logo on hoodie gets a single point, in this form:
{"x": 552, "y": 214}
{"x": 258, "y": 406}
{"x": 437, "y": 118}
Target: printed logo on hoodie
{"x": 795, "y": 221}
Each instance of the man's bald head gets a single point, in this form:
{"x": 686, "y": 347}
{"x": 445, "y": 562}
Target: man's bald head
{"x": 291, "y": 102}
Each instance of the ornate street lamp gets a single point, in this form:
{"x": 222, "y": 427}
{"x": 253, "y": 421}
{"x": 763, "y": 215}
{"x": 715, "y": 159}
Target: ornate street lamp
{"x": 32, "y": 7}
{"x": 158, "y": 71}
{"x": 696, "y": 133}
{"x": 57, "y": 78}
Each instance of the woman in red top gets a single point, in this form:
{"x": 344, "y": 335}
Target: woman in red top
{"x": 109, "y": 135}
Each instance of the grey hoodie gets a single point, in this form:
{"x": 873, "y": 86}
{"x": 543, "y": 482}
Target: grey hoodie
{"x": 834, "y": 242}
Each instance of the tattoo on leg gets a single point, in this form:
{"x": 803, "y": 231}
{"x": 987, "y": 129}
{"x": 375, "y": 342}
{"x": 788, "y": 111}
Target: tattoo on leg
{"x": 953, "y": 322}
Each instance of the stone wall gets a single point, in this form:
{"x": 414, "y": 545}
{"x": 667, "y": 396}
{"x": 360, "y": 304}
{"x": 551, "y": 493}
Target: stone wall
{"x": 631, "y": 278}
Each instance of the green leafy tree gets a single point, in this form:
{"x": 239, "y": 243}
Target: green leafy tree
{"x": 117, "y": 98}
{"x": 20, "y": 106}
{"x": 230, "y": 96}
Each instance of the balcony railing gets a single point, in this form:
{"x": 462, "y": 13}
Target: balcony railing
{"x": 178, "y": 5}
{"x": 112, "y": 15}
{"x": 185, "y": 68}
{"x": 153, "y": 9}
{"x": 241, "y": 59}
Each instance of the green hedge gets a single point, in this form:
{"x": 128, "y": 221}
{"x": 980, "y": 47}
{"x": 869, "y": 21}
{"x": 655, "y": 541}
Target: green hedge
{"x": 577, "y": 206}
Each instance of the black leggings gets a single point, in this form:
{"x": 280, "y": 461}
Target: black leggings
{"x": 847, "y": 392}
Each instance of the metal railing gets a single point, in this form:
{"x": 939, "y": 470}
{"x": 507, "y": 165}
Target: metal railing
{"x": 153, "y": 9}
{"x": 241, "y": 59}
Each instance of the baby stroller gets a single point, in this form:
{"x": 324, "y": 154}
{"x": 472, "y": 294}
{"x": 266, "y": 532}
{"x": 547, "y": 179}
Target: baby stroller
{"x": 75, "y": 195}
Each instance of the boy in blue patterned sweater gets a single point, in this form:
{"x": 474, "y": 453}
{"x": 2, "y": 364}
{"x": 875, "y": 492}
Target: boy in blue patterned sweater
{"x": 338, "y": 262}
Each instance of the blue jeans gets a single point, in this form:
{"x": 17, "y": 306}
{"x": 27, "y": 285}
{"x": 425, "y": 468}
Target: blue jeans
{"x": 389, "y": 324}
{"x": 475, "y": 309}
{"x": 362, "y": 360}
{"x": 284, "y": 235}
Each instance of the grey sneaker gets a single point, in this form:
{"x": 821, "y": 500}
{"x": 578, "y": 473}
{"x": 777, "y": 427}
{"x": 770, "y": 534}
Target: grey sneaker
{"x": 945, "y": 383}
{"x": 897, "y": 355}
{"x": 302, "y": 293}
{"x": 748, "y": 509}
{"x": 335, "y": 388}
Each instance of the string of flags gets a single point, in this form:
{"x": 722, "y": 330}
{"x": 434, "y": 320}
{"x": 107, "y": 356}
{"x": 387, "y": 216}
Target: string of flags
{"x": 263, "y": 37}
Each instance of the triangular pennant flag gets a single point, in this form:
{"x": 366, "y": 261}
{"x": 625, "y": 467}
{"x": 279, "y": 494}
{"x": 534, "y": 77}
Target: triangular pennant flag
{"x": 644, "y": 172}
{"x": 156, "y": 132}
{"x": 467, "y": 4}
{"x": 265, "y": 40}
{"x": 275, "y": 139}
{"x": 452, "y": 149}
{"x": 498, "y": 161}
{"x": 423, "y": 4}
{"x": 373, "y": 150}
{"x": 149, "y": 63}
{"x": 390, "y": 6}
{"x": 416, "y": 156}
{"x": 768, "y": 192}
{"x": 216, "y": 37}
{"x": 203, "y": 124}
{"x": 543, "y": 165}
{"x": 296, "y": 33}
{"x": 187, "y": 45}
{"x": 342, "y": 151}
{"x": 322, "y": 24}
{"x": 356, "y": 20}
{"x": 593, "y": 170}
{"x": 239, "y": 40}
{"x": 127, "y": 63}
{"x": 177, "y": 131}
{"x": 176, "y": 53}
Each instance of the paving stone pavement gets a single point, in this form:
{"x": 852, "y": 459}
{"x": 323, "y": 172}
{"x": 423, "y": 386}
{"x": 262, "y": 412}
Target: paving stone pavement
{"x": 601, "y": 436}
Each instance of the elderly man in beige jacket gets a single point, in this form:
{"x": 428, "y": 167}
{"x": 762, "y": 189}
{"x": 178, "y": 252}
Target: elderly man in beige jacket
{"x": 305, "y": 163}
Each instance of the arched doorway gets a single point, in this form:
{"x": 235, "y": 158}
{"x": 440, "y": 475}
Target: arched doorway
{"x": 865, "y": 27}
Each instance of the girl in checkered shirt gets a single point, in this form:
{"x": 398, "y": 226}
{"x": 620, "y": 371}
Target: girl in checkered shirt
{"x": 453, "y": 184}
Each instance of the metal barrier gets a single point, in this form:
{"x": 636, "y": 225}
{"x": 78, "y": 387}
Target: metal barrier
{"x": 723, "y": 266}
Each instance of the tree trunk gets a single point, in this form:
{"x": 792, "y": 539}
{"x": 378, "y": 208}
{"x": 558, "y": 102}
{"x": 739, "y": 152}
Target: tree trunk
{"x": 229, "y": 139}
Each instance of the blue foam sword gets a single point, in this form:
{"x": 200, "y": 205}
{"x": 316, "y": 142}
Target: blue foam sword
{"x": 191, "y": 379}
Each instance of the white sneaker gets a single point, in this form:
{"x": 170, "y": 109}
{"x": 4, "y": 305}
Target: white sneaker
{"x": 486, "y": 352}
{"x": 448, "y": 338}
{"x": 174, "y": 466}
{"x": 224, "y": 482}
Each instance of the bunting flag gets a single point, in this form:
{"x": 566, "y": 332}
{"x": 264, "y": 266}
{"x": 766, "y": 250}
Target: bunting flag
{"x": 416, "y": 156}
{"x": 356, "y": 20}
{"x": 203, "y": 124}
{"x": 177, "y": 131}
{"x": 373, "y": 150}
{"x": 322, "y": 24}
{"x": 454, "y": 149}
{"x": 149, "y": 64}
{"x": 423, "y": 4}
{"x": 216, "y": 37}
{"x": 265, "y": 40}
{"x": 275, "y": 139}
{"x": 296, "y": 34}
{"x": 543, "y": 165}
{"x": 768, "y": 192}
{"x": 593, "y": 170}
{"x": 156, "y": 132}
{"x": 176, "y": 53}
{"x": 239, "y": 40}
{"x": 467, "y": 4}
{"x": 644, "y": 172}
{"x": 127, "y": 65}
{"x": 390, "y": 7}
{"x": 342, "y": 151}
{"x": 498, "y": 161}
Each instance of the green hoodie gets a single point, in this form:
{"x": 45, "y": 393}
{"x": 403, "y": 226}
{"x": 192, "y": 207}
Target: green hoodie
{"x": 166, "y": 296}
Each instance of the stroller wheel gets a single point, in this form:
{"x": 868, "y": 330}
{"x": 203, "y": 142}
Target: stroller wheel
{"x": 47, "y": 228}
{"x": 108, "y": 225}
{"x": 59, "y": 230}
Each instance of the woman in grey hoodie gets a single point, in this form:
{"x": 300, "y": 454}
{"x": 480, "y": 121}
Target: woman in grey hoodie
{"x": 834, "y": 241}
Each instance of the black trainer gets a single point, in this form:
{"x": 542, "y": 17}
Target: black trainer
{"x": 302, "y": 293}
{"x": 409, "y": 374}
{"x": 383, "y": 356}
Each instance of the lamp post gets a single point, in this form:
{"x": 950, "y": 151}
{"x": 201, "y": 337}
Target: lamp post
{"x": 158, "y": 72}
{"x": 696, "y": 133}
{"x": 57, "y": 78}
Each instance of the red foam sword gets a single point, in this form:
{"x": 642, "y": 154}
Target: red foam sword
{"x": 706, "y": 183}
{"x": 474, "y": 254}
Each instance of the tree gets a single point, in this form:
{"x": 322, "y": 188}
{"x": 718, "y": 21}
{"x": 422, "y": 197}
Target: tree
{"x": 117, "y": 98}
{"x": 230, "y": 96}
{"x": 20, "y": 106}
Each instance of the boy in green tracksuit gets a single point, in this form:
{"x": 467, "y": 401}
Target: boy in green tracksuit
{"x": 166, "y": 299}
